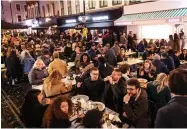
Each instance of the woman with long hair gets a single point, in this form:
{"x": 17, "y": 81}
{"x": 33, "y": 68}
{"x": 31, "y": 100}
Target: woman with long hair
{"x": 147, "y": 71}
{"x": 58, "y": 113}
{"x": 53, "y": 84}
{"x": 121, "y": 57}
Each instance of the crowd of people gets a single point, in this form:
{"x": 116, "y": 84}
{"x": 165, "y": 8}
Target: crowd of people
{"x": 43, "y": 61}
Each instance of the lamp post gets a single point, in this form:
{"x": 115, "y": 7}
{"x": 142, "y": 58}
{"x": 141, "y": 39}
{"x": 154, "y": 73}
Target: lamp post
{"x": 11, "y": 10}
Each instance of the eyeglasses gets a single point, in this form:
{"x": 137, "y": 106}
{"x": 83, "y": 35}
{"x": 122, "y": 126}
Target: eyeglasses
{"x": 131, "y": 89}
{"x": 96, "y": 74}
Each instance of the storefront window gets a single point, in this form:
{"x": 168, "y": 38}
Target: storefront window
{"x": 91, "y": 4}
{"x": 77, "y": 6}
{"x": 62, "y": 8}
{"x": 69, "y": 7}
{"x": 156, "y": 31}
{"x": 116, "y": 2}
{"x": 103, "y": 3}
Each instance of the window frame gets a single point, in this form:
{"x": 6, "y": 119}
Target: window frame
{"x": 62, "y": 8}
{"x": 19, "y": 8}
{"x": 69, "y": 7}
{"x": 18, "y": 18}
{"x": 48, "y": 9}
{"x": 116, "y": 2}
{"x": 77, "y": 4}
{"x": 43, "y": 10}
{"x": 53, "y": 7}
{"x": 25, "y": 8}
{"x": 104, "y": 2}
{"x": 91, "y": 2}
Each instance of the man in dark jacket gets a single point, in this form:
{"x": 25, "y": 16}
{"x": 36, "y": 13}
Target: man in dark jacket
{"x": 115, "y": 89}
{"x": 93, "y": 86}
{"x": 110, "y": 56}
{"x": 168, "y": 61}
{"x": 174, "y": 114}
{"x": 135, "y": 105}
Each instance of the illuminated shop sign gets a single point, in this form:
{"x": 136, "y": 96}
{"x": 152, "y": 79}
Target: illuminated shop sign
{"x": 83, "y": 18}
{"x": 174, "y": 20}
{"x": 100, "y": 18}
{"x": 71, "y": 21}
{"x": 123, "y": 23}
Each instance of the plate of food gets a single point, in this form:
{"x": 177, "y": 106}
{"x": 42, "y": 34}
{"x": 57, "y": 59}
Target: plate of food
{"x": 143, "y": 82}
{"x": 79, "y": 98}
{"x": 98, "y": 105}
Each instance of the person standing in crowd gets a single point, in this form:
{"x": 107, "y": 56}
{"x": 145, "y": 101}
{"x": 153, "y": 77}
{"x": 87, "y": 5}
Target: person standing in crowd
{"x": 130, "y": 40}
{"x": 123, "y": 38}
{"x": 121, "y": 57}
{"x": 93, "y": 53}
{"x": 116, "y": 48}
{"x": 141, "y": 47}
{"x": 104, "y": 68}
{"x": 177, "y": 45}
{"x": 183, "y": 55}
{"x": 160, "y": 66}
{"x": 125, "y": 70}
{"x": 174, "y": 114}
{"x": 58, "y": 113}
{"x": 145, "y": 42}
{"x": 58, "y": 64}
{"x": 171, "y": 42}
{"x": 147, "y": 71}
{"x": 37, "y": 74}
{"x": 110, "y": 56}
{"x": 53, "y": 85}
{"x": 168, "y": 61}
{"x": 33, "y": 108}
{"x": 45, "y": 57}
{"x": 27, "y": 62}
{"x": 115, "y": 89}
{"x": 182, "y": 38}
{"x": 135, "y": 105}
{"x": 93, "y": 86}
{"x": 23, "y": 48}
{"x": 14, "y": 68}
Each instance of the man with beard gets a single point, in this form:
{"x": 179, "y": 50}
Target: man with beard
{"x": 135, "y": 105}
{"x": 115, "y": 88}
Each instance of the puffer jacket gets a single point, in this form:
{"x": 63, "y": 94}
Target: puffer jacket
{"x": 36, "y": 76}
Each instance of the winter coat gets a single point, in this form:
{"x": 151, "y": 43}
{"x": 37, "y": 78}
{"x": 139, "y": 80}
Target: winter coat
{"x": 176, "y": 60}
{"x": 36, "y": 76}
{"x": 113, "y": 95}
{"x": 14, "y": 67}
{"x": 93, "y": 89}
{"x": 183, "y": 57}
{"x": 140, "y": 47}
{"x": 111, "y": 58}
{"x": 173, "y": 115}
{"x": 27, "y": 64}
{"x": 169, "y": 62}
{"x": 105, "y": 70}
{"x": 136, "y": 110}
{"x": 60, "y": 65}
{"x": 160, "y": 67}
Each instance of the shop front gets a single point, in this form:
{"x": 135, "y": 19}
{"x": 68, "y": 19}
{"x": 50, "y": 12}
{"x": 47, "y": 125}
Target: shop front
{"x": 151, "y": 23}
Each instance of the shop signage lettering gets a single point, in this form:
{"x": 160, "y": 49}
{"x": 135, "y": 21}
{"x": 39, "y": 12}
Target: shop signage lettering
{"x": 71, "y": 21}
{"x": 83, "y": 18}
{"x": 123, "y": 23}
{"x": 174, "y": 20}
{"x": 100, "y": 18}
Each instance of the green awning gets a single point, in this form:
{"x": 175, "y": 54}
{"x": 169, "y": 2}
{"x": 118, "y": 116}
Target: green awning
{"x": 154, "y": 15}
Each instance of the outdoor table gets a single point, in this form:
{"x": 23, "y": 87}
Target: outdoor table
{"x": 129, "y": 53}
{"x": 131, "y": 61}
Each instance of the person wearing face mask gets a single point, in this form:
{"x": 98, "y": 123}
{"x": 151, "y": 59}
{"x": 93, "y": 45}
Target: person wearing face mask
{"x": 115, "y": 89}
{"x": 147, "y": 71}
{"x": 135, "y": 105}
{"x": 58, "y": 113}
{"x": 37, "y": 74}
{"x": 93, "y": 86}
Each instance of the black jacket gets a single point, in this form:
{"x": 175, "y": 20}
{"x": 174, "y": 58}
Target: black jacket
{"x": 105, "y": 70}
{"x": 161, "y": 98}
{"x": 160, "y": 67}
{"x": 93, "y": 89}
{"x": 113, "y": 95}
{"x": 173, "y": 115}
{"x": 136, "y": 111}
{"x": 111, "y": 58}
{"x": 183, "y": 57}
{"x": 14, "y": 67}
{"x": 176, "y": 60}
{"x": 169, "y": 62}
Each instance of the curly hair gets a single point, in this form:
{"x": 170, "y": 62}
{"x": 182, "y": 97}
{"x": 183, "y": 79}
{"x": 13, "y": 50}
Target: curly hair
{"x": 54, "y": 111}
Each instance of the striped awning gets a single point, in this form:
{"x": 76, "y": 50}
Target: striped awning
{"x": 165, "y": 14}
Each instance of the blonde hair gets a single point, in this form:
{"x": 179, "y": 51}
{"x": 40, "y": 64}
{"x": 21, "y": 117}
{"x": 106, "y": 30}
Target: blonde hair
{"x": 54, "y": 77}
{"x": 160, "y": 80}
{"x": 38, "y": 60}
